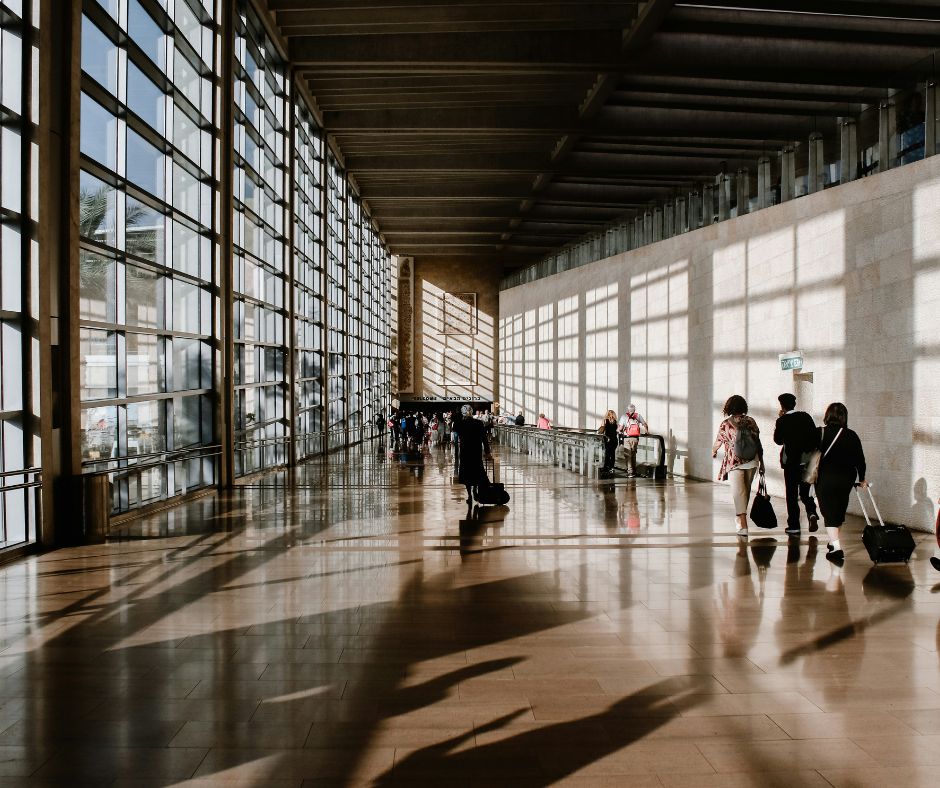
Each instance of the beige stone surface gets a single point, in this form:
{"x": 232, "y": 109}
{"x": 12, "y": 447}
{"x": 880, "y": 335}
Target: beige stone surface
{"x": 850, "y": 276}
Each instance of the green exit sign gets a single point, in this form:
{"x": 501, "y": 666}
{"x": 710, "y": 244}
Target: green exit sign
{"x": 790, "y": 361}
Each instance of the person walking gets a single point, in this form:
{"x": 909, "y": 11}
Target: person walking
{"x": 543, "y": 422}
{"x": 841, "y": 467}
{"x": 608, "y": 430}
{"x": 631, "y": 426}
{"x": 520, "y": 420}
{"x": 471, "y": 435}
{"x": 739, "y": 436}
{"x": 797, "y": 434}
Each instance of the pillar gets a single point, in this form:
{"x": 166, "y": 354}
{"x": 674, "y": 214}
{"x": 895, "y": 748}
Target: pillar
{"x": 638, "y": 239}
{"x": 725, "y": 183}
{"x": 930, "y": 125}
{"x": 848, "y": 153}
{"x": 887, "y": 135}
{"x": 648, "y": 226}
{"x": 680, "y": 217}
{"x": 787, "y": 173}
{"x": 743, "y": 183}
{"x": 816, "y": 173}
{"x": 658, "y": 223}
{"x": 765, "y": 187}
{"x": 695, "y": 210}
{"x": 708, "y": 204}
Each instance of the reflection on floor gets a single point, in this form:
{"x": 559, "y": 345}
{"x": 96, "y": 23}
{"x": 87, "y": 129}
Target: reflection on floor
{"x": 352, "y": 623}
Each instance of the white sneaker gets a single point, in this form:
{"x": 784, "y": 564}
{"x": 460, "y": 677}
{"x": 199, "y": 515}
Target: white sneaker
{"x": 741, "y": 532}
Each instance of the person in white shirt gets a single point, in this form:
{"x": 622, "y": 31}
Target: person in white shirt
{"x": 631, "y": 426}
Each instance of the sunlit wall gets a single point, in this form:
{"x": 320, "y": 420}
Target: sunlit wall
{"x": 850, "y": 276}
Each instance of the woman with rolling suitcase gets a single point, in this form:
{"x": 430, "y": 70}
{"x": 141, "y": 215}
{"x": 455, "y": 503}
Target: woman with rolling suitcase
{"x": 841, "y": 467}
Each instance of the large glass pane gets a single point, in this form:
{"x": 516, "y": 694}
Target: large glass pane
{"x": 99, "y": 432}
{"x": 144, "y": 364}
{"x": 98, "y": 372}
{"x": 99, "y": 130}
{"x": 145, "y": 164}
{"x": 144, "y": 231}
{"x": 99, "y": 56}
{"x": 97, "y": 282}
{"x": 145, "y": 98}
{"x": 145, "y": 298}
{"x": 97, "y": 203}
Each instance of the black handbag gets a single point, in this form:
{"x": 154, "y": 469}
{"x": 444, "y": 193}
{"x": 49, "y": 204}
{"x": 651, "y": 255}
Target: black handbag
{"x": 762, "y": 510}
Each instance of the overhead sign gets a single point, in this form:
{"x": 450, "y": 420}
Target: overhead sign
{"x": 791, "y": 361}
{"x": 422, "y": 398}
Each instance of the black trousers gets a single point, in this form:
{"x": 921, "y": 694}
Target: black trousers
{"x": 610, "y": 453}
{"x": 797, "y": 490}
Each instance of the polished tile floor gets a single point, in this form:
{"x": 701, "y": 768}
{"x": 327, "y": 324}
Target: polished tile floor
{"x": 352, "y": 624}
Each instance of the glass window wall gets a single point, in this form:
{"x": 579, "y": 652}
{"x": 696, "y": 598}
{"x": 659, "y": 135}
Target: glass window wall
{"x": 260, "y": 265}
{"x": 18, "y": 212}
{"x": 145, "y": 268}
{"x": 308, "y": 284}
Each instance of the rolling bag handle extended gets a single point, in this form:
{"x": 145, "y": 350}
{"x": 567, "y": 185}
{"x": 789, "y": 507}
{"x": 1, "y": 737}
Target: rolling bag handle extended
{"x": 861, "y": 503}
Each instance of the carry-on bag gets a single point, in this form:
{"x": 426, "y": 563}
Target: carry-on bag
{"x": 762, "y": 510}
{"x": 492, "y": 493}
{"x": 884, "y": 543}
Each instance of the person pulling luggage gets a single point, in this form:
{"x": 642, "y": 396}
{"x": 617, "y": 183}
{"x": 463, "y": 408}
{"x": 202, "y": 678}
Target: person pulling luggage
{"x": 841, "y": 467}
{"x": 631, "y": 426}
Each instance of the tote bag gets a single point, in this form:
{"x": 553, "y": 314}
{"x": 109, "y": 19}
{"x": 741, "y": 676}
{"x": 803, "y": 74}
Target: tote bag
{"x": 762, "y": 510}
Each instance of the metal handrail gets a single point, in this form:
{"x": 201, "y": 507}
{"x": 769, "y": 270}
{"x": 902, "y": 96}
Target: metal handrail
{"x": 181, "y": 455}
{"x": 37, "y": 472}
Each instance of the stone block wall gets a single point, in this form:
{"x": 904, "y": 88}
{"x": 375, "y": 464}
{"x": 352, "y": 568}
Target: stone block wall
{"x": 849, "y": 276}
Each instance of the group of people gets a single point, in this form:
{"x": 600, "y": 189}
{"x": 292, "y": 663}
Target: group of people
{"x": 838, "y": 464}
{"x": 625, "y": 431}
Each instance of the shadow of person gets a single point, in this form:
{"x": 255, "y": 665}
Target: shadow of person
{"x": 922, "y": 510}
{"x": 474, "y": 526}
{"x": 548, "y": 753}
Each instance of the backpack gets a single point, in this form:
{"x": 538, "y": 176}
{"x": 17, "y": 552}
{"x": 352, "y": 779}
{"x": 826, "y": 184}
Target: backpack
{"x": 745, "y": 444}
{"x": 633, "y": 426}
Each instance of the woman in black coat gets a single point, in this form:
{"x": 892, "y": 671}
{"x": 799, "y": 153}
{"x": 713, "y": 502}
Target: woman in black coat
{"x": 471, "y": 434}
{"x": 608, "y": 429}
{"x": 840, "y": 469}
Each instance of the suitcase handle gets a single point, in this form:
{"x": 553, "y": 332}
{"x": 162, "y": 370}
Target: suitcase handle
{"x": 861, "y": 503}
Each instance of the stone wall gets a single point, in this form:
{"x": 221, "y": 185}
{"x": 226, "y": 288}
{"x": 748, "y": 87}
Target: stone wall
{"x": 455, "y": 364}
{"x": 850, "y": 276}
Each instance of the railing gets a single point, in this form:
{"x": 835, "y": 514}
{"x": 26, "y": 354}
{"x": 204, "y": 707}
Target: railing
{"x": 140, "y": 479}
{"x": 21, "y": 505}
{"x": 581, "y": 451}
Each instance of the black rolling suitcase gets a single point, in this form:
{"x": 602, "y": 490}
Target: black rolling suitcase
{"x": 492, "y": 493}
{"x": 885, "y": 543}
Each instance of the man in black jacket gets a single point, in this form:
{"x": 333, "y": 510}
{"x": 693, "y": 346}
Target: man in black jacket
{"x": 798, "y": 434}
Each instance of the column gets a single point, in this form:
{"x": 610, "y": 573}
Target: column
{"x": 724, "y": 197}
{"x": 765, "y": 188}
{"x": 638, "y": 239}
{"x": 657, "y": 223}
{"x": 708, "y": 204}
{"x": 930, "y": 125}
{"x": 816, "y": 173}
{"x": 680, "y": 216}
{"x": 648, "y": 226}
{"x": 695, "y": 210}
{"x": 887, "y": 135}
{"x": 848, "y": 153}
{"x": 744, "y": 191}
{"x": 787, "y": 173}
{"x": 669, "y": 220}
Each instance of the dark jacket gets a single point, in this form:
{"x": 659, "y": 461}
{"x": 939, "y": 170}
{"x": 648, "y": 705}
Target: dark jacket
{"x": 520, "y": 420}
{"x": 473, "y": 445}
{"x": 797, "y": 433}
{"x": 846, "y": 454}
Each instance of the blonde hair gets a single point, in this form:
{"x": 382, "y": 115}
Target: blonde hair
{"x": 611, "y": 415}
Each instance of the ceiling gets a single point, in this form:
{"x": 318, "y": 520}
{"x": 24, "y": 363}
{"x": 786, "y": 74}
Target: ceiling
{"x": 487, "y": 130}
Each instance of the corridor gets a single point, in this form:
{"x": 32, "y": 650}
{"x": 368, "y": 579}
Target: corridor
{"x": 350, "y": 623}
